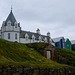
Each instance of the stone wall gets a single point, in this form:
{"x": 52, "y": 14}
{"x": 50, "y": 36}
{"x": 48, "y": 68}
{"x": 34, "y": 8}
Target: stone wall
{"x": 28, "y": 70}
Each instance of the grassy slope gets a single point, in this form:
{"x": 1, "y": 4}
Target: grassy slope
{"x": 12, "y": 53}
{"x": 68, "y": 54}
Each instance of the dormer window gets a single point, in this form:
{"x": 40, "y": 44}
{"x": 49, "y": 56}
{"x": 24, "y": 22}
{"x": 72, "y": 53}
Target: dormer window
{"x": 15, "y": 25}
{"x": 33, "y": 38}
{"x": 26, "y": 38}
{"x": 9, "y": 24}
{"x": 45, "y": 39}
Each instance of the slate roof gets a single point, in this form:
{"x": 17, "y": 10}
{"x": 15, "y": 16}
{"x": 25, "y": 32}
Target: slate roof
{"x": 57, "y": 39}
{"x": 73, "y": 42}
{"x": 22, "y": 35}
{"x": 11, "y": 18}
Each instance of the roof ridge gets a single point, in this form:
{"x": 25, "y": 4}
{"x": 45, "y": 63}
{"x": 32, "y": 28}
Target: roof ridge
{"x": 34, "y": 33}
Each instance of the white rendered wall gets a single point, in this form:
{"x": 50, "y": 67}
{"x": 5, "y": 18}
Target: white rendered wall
{"x": 16, "y": 29}
{"x": 33, "y": 41}
{"x": 23, "y": 40}
{"x": 11, "y": 28}
{"x": 12, "y": 36}
{"x": 0, "y": 34}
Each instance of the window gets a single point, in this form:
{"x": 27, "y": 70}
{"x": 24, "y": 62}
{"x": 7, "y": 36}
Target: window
{"x": 2, "y": 35}
{"x": 15, "y": 25}
{"x": 67, "y": 45}
{"x": 40, "y": 39}
{"x": 45, "y": 39}
{"x": 33, "y": 39}
{"x": 26, "y": 38}
{"x": 8, "y": 35}
{"x": 63, "y": 45}
{"x": 9, "y": 24}
{"x": 15, "y": 36}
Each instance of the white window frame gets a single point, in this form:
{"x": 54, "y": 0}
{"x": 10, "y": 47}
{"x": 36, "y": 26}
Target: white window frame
{"x": 33, "y": 38}
{"x": 16, "y": 36}
{"x": 9, "y": 24}
{"x": 15, "y": 25}
{"x": 8, "y": 35}
{"x": 40, "y": 39}
{"x": 45, "y": 39}
{"x": 26, "y": 37}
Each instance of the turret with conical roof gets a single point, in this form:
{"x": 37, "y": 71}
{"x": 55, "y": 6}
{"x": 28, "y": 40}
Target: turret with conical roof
{"x": 11, "y": 28}
{"x": 11, "y": 18}
{"x": 10, "y": 23}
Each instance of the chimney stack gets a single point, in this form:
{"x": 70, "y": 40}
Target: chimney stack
{"x": 48, "y": 34}
{"x": 38, "y": 31}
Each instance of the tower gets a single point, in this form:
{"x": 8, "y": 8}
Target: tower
{"x": 11, "y": 28}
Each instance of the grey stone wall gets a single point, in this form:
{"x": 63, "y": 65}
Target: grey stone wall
{"x": 28, "y": 70}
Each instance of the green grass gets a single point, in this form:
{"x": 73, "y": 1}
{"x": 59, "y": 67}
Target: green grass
{"x": 37, "y": 45}
{"x": 68, "y": 54}
{"x": 12, "y": 53}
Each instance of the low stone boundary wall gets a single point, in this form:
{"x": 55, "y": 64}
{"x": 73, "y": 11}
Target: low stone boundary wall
{"x": 28, "y": 70}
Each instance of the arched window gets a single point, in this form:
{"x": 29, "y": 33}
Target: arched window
{"x": 15, "y": 36}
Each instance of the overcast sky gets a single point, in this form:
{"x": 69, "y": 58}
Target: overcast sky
{"x": 54, "y": 16}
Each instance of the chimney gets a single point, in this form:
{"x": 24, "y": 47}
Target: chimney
{"x": 48, "y": 34}
{"x": 38, "y": 31}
